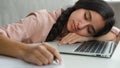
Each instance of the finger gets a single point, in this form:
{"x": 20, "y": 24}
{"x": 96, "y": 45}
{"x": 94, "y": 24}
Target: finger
{"x": 46, "y": 54}
{"x": 69, "y": 39}
{"x": 73, "y": 40}
{"x": 34, "y": 60}
{"x": 80, "y": 39}
{"x": 67, "y": 36}
{"x": 37, "y": 61}
{"x": 53, "y": 51}
{"x": 41, "y": 57}
{"x": 64, "y": 39}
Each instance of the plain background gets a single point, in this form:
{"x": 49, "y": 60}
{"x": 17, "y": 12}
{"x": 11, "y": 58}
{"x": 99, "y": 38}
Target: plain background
{"x": 12, "y": 11}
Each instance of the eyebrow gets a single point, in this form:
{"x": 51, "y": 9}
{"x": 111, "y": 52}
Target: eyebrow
{"x": 91, "y": 19}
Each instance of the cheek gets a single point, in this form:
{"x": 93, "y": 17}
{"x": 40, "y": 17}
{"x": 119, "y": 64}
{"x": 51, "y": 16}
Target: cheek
{"x": 83, "y": 32}
{"x": 68, "y": 26}
{"x": 69, "y": 23}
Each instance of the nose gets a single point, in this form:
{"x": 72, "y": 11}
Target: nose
{"x": 83, "y": 25}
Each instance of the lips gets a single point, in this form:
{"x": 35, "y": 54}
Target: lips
{"x": 74, "y": 27}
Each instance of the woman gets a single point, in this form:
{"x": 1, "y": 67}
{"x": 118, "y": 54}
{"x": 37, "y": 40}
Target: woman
{"x": 84, "y": 20}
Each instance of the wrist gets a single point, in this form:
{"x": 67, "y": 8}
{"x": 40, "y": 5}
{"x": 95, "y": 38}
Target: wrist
{"x": 22, "y": 49}
{"x": 115, "y": 30}
{"x": 11, "y": 48}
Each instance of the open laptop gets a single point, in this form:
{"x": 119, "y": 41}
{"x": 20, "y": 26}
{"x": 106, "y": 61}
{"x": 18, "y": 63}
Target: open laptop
{"x": 103, "y": 49}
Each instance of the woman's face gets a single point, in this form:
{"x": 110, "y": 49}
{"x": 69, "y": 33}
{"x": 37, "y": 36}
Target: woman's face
{"x": 85, "y": 22}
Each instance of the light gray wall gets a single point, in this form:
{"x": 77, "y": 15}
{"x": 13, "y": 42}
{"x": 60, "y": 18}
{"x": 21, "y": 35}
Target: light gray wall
{"x": 116, "y": 8}
{"x": 13, "y": 10}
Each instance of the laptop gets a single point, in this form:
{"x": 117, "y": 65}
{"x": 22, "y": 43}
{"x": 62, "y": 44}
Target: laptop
{"x": 94, "y": 48}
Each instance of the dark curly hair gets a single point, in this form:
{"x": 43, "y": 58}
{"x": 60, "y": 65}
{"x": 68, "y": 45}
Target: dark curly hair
{"x": 98, "y": 6}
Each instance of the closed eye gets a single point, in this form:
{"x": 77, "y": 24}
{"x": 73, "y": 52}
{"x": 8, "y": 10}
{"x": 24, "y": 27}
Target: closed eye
{"x": 87, "y": 15}
{"x": 91, "y": 30}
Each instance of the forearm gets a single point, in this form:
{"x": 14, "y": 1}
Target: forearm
{"x": 112, "y": 35}
{"x": 11, "y": 48}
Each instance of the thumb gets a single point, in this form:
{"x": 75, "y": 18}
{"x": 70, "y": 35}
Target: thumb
{"x": 53, "y": 51}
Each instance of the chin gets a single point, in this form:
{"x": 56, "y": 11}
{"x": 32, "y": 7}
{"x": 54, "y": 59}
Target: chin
{"x": 70, "y": 30}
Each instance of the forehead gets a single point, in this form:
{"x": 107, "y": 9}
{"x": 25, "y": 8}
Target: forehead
{"x": 97, "y": 21}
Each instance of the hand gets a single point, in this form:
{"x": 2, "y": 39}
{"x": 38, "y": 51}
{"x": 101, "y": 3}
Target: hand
{"x": 42, "y": 54}
{"x": 72, "y": 38}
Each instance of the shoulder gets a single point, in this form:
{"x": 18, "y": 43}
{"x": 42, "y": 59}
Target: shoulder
{"x": 47, "y": 12}
{"x": 47, "y": 15}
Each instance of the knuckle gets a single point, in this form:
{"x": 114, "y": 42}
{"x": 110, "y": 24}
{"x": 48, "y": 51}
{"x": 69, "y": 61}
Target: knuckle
{"x": 35, "y": 48}
{"x": 54, "y": 50}
{"x": 39, "y": 63}
{"x": 38, "y": 47}
{"x": 45, "y": 61}
{"x": 51, "y": 58}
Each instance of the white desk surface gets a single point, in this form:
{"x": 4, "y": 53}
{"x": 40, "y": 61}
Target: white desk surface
{"x": 76, "y": 61}
{"x": 69, "y": 61}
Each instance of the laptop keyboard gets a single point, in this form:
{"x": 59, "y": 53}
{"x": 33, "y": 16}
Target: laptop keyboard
{"x": 93, "y": 47}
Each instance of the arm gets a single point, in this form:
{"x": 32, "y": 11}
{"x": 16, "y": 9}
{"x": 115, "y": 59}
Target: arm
{"x": 73, "y": 38}
{"x": 29, "y": 30}
{"x": 39, "y": 54}
{"x": 10, "y": 48}
{"x": 113, "y": 35}
{"x": 33, "y": 28}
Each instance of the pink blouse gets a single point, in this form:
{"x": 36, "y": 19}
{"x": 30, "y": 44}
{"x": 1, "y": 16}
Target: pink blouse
{"x": 35, "y": 27}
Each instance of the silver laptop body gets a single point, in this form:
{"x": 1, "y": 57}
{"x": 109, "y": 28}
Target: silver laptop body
{"x": 89, "y": 48}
